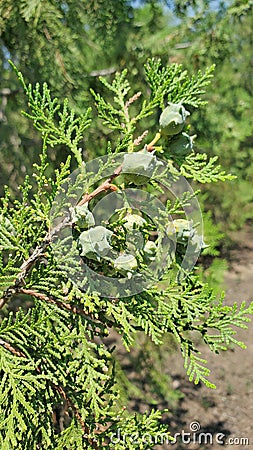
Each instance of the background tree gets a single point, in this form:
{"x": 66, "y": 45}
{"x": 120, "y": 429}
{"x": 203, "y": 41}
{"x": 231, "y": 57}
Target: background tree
{"x": 71, "y": 43}
{"x": 221, "y": 34}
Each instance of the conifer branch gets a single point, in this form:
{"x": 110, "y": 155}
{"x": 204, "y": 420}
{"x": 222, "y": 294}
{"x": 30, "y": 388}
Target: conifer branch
{"x": 39, "y": 251}
{"x": 49, "y": 299}
{"x": 29, "y": 263}
{"x": 62, "y": 393}
{"x": 77, "y": 414}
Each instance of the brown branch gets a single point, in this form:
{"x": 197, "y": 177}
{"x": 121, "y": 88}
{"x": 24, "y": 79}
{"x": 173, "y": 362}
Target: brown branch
{"x": 132, "y": 99}
{"x": 28, "y": 264}
{"x": 105, "y": 186}
{"x": 47, "y": 34}
{"x": 140, "y": 138}
{"x": 61, "y": 304}
{"x": 11, "y": 349}
{"x": 73, "y": 308}
{"x": 58, "y": 57}
{"x": 77, "y": 414}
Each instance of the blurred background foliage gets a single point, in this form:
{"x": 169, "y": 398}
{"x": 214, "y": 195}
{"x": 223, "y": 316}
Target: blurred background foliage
{"x": 70, "y": 43}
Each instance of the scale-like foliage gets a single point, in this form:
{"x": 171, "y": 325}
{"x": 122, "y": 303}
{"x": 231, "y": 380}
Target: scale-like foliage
{"x": 60, "y": 388}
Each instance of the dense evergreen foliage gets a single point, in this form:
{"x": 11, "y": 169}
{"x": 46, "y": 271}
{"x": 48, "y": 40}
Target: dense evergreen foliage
{"x": 54, "y": 351}
{"x": 88, "y": 86}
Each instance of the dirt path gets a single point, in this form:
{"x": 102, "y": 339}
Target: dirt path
{"x": 229, "y": 408}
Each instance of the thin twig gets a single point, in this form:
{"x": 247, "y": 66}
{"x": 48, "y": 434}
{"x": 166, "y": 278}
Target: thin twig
{"x": 11, "y": 349}
{"x": 28, "y": 263}
{"x": 77, "y": 414}
{"x": 140, "y": 138}
{"x": 58, "y": 57}
{"x": 61, "y": 304}
{"x": 105, "y": 186}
